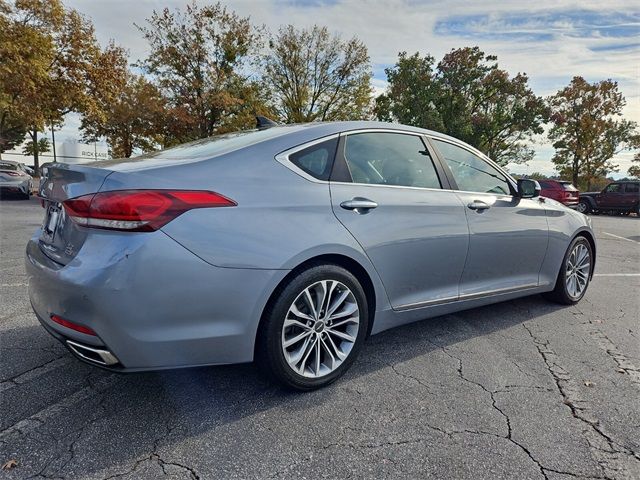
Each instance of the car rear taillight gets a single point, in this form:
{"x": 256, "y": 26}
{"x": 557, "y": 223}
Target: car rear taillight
{"x": 72, "y": 325}
{"x": 12, "y": 174}
{"x": 139, "y": 210}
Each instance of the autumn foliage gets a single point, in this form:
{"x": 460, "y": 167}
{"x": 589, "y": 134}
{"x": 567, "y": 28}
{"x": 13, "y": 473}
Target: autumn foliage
{"x": 210, "y": 71}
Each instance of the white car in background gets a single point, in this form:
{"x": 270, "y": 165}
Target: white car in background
{"x": 15, "y": 178}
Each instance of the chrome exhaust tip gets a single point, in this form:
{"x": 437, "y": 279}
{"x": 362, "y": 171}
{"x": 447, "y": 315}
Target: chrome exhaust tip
{"x": 92, "y": 354}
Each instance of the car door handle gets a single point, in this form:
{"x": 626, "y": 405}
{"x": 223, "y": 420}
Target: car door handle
{"x": 478, "y": 205}
{"x": 360, "y": 205}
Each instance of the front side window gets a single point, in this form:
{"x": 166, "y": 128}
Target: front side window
{"x": 317, "y": 159}
{"x": 613, "y": 188}
{"x": 390, "y": 159}
{"x": 472, "y": 173}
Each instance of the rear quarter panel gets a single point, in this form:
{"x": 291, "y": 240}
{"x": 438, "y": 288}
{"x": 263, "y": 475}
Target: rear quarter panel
{"x": 280, "y": 221}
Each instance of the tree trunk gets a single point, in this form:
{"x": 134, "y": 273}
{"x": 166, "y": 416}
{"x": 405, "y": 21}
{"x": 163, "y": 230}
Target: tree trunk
{"x": 53, "y": 141}
{"x": 36, "y": 161}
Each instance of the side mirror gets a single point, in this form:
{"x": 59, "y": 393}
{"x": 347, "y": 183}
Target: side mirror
{"x": 528, "y": 188}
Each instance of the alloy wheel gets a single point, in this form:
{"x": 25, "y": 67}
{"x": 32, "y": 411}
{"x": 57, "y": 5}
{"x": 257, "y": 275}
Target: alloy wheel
{"x": 581, "y": 207}
{"x": 320, "y": 328}
{"x": 578, "y": 270}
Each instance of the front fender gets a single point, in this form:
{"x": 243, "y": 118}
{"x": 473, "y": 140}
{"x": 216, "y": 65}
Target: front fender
{"x": 564, "y": 225}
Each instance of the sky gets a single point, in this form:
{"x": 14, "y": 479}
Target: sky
{"x": 551, "y": 41}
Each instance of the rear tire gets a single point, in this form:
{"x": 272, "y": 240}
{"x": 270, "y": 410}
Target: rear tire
{"x": 575, "y": 273}
{"x": 328, "y": 342}
{"x": 583, "y": 207}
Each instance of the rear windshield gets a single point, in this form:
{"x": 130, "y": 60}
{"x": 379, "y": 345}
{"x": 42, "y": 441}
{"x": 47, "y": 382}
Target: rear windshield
{"x": 8, "y": 166}
{"x": 219, "y": 144}
{"x": 568, "y": 186}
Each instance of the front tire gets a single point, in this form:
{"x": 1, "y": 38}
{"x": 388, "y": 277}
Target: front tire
{"x": 314, "y": 328}
{"x": 583, "y": 207}
{"x": 575, "y": 273}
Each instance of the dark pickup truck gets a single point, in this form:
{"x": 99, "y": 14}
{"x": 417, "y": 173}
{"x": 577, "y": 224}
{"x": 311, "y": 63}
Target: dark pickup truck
{"x": 617, "y": 197}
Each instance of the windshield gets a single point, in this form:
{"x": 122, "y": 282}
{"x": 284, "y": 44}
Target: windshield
{"x": 218, "y": 144}
{"x": 8, "y": 166}
{"x": 568, "y": 187}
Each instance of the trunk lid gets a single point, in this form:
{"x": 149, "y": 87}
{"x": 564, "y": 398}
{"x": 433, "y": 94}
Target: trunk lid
{"x": 61, "y": 238}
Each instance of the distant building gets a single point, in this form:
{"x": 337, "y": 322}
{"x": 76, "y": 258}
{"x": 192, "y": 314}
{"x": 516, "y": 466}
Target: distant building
{"x": 69, "y": 151}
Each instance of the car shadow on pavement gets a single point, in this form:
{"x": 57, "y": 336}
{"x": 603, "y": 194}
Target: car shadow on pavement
{"x": 147, "y": 412}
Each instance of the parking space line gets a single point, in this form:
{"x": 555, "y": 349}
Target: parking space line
{"x": 616, "y": 275}
{"x": 621, "y": 238}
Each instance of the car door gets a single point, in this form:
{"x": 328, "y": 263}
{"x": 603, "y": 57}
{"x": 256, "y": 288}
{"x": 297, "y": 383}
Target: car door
{"x": 508, "y": 235}
{"x": 611, "y": 196}
{"x": 631, "y": 195}
{"x": 387, "y": 190}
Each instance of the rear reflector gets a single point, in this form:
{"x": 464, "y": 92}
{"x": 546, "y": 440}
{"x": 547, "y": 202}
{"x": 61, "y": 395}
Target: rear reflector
{"x": 72, "y": 326}
{"x": 139, "y": 210}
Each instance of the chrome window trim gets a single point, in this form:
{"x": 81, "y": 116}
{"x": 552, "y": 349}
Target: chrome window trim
{"x": 283, "y": 157}
{"x": 482, "y": 156}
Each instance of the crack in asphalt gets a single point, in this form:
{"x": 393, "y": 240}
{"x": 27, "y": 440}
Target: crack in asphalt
{"x": 625, "y": 365}
{"x": 27, "y": 375}
{"x": 604, "y": 447}
{"x": 154, "y": 456}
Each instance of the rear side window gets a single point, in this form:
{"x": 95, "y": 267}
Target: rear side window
{"x": 390, "y": 159}
{"x": 568, "y": 187}
{"x": 472, "y": 173}
{"x": 317, "y": 159}
{"x": 632, "y": 188}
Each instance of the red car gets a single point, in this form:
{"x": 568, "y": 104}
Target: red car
{"x": 560, "y": 190}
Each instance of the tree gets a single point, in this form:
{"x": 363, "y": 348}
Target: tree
{"x": 466, "y": 96}
{"x": 11, "y": 134}
{"x": 587, "y": 129}
{"x": 132, "y": 119}
{"x": 634, "y": 170}
{"x": 48, "y": 61}
{"x": 316, "y": 76}
{"x": 29, "y": 148}
{"x": 196, "y": 58}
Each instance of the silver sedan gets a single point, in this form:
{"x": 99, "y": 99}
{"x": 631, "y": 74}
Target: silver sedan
{"x": 289, "y": 246}
{"x": 15, "y": 179}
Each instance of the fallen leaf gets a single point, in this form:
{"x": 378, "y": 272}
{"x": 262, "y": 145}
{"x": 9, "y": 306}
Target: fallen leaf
{"x": 10, "y": 464}
{"x": 597, "y": 320}
{"x": 622, "y": 370}
{"x": 587, "y": 383}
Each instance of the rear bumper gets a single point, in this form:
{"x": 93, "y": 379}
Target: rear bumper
{"x": 20, "y": 186}
{"x": 152, "y": 303}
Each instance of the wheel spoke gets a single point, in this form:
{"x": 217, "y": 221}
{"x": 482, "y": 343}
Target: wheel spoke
{"x": 348, "y": 310}
{"x": 343, "y": 335}
{"x": 310, "y": 304}
{"x": 337, "y": 303}
{"x": 296, "y": 311}
{"x": 297, "y": 338}
{"x": 310, "y": 349}
{"x": 292, "y": 322}
{"x": 344, "y": 322}
{"x": 337, "y": 351}
{"x": 330, "y": 354}
{"x": 295, "y": 357}
{"x": 317, "y": 352}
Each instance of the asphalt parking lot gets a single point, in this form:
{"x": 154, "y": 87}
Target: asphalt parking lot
{"x": 523, "y": 389}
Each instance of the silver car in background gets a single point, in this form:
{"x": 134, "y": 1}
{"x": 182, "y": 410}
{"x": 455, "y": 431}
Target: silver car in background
{"x": 15, "y": 178}
{"x": 289, "y": 246}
